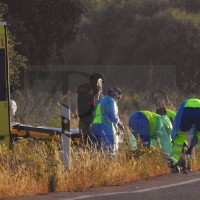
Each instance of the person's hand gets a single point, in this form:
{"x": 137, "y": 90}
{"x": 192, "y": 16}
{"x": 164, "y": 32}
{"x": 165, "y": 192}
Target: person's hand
{"x": 99, "y": 88}
{"x": 189, "y": 150}
{"x": 121, "y": 127}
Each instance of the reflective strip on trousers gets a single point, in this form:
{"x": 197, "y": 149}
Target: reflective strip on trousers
{"x": 192, "y": 103}
{"x": 198, "y": 137}
{"x": 180, "y": 138}
{"x": 178, "y": 145}
{"x": 176, "y": 152}
{"x": 175, "y": 155}
{"x": 198, "y": 147}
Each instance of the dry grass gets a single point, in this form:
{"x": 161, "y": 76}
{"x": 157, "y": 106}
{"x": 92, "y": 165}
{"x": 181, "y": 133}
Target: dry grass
{"x": 29, "y": 161}
{"x": 39, "y": 163}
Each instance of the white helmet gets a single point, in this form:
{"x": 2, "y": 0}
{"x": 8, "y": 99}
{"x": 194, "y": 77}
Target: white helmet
{"x": 13, "y": 107}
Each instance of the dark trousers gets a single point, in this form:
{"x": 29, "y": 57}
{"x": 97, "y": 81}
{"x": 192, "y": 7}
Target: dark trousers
{"x": 84, "y": 130}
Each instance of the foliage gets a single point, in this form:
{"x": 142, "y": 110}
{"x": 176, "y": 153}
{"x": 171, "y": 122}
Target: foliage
{"x": 16, "y": 60}
{"x": 40, "y": 24}
{"x": 29, "y": 161}
{"x": 117, "y": 32}
{"x": 188, "y": 5}
{"x": 81, "y": 52}
{"x": 40, "y": 163}
{"x": 109, "y": 24}
{"x": 147, "y": 32}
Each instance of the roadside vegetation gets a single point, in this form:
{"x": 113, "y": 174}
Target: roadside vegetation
{"x": 39, "y": 162}
{"x": 105, "y": 33}
{"x": 35, "y": 167}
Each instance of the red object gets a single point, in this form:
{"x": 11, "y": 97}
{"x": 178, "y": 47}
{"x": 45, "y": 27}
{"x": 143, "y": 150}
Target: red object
{"x": 83, "y": 89}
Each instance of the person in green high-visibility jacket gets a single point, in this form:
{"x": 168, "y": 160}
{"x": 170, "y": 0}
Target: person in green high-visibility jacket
{"x": 106, "y": 122}
{"x": 153, "y": 129}
{"x": 186, "y": 122}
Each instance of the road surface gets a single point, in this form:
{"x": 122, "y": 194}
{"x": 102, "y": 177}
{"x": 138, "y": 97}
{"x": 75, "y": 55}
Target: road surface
{"x": 166, "y": 187}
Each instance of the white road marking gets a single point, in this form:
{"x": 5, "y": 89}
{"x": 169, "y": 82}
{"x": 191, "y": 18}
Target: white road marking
{"x": 143, "y": 190}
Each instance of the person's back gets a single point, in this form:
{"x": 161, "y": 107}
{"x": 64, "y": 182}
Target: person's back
{"x": 165, "y": 128}
{"x": 151, "y": 129}
{"x": 109, "y": 111}
{"x": 85, "y": 103}
{"x": 143, "y": 123}
{"x": 167, "y": 122}
{"x": 109, "y": 114}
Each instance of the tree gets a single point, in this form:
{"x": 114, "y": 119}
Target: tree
{"x": 107, "y": 24}
{"x": 40, "y": 24}
{"x": 16, "y": 60}
{"x": 147, "y": 32}
{"x": 192, "y": 6}
{"x": 170, "y": 37}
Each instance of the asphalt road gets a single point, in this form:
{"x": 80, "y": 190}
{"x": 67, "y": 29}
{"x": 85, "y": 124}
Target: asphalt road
{"x": 167, "y": 187}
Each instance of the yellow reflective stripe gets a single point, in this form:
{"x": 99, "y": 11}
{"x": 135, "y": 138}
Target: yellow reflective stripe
{"x": 178, "y": 145}
{"x": 179, "y": 140}
{"x": 178, "y": 149}
{"x": 198, "y": 136}
{"x": 97, "y": 119}
{"x": 175, "y": 155}
{"x": 192, "y": 103}
{"x": 176, "y": 152}
{"x": 2, "y": 37}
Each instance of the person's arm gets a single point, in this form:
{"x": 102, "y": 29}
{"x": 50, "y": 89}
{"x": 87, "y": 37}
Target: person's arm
{"x": 177, "y": 119}
{"x": 120, "y": 125}
{"x": 112, "y": 111}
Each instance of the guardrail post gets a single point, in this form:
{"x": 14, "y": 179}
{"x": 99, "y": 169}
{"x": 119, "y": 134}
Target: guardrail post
{"x": 66, "y": 136}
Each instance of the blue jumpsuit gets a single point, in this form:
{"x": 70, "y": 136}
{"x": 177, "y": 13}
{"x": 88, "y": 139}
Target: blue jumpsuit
{"x": 104, "y": 132}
